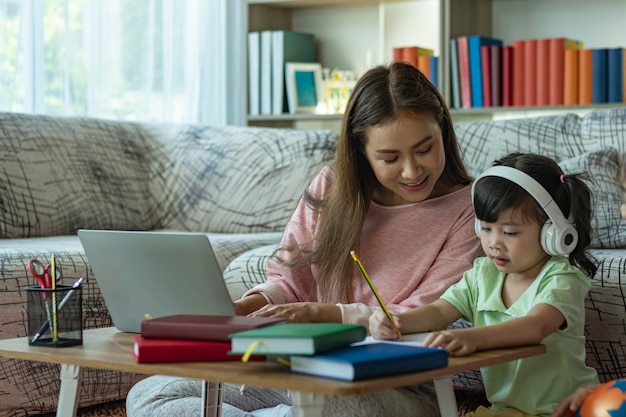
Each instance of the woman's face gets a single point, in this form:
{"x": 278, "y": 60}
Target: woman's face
{"x": 408, "y": 158}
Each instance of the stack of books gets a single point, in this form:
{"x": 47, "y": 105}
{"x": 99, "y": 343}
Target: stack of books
{"x": 557, "y": 71}
{"x": 424, "y": 59}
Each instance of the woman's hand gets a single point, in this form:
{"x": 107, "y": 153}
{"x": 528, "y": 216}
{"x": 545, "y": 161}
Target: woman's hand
{"x": 569, "y": 406}
{"x": 293, "y": 312}
{"x": 381, "y": 328}
{"x": 455, "y": 342}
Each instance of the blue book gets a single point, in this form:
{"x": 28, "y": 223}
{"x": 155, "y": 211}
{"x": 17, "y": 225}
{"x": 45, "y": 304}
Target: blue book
{"x": 599, "y": 75}
{"x": 370, "y": 360}
{"x": 434, "y": 70}
{"x": 615, "y": 75}
{"x": 476, "y": 78}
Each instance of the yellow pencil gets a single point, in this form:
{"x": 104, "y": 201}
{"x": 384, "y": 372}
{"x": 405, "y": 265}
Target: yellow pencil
{"x": 53, "y": 287}
{"x": 371, "y": 284}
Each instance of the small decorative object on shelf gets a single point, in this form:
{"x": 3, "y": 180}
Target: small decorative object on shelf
{"x": 337, "y": 89}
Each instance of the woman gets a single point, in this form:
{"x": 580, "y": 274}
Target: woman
{"x": 398, "y": 194}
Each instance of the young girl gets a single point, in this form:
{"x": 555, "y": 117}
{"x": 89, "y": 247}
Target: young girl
{"x": 529, "y": 288}
{"x": 399, "y": 195}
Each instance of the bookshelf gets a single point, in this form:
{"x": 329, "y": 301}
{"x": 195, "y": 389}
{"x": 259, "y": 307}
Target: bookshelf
{"x": 356, "y": 34}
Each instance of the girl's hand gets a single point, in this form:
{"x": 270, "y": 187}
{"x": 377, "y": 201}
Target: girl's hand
{"x": 569, "y": 406}
{"x": 381, "y": 328}
{"x": 293, "y": 312}
{"x": 455, "y": 342}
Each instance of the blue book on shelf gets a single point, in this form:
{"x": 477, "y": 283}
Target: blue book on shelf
{"x": 370, "y": 360}
{"x": 434, "y": 70}
{"x": 476, "y": 79}
{"x": 615, "y": 75}
{"x": 599, "y": 75}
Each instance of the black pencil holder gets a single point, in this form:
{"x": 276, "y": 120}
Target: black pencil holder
{"x": 55, "y": 317}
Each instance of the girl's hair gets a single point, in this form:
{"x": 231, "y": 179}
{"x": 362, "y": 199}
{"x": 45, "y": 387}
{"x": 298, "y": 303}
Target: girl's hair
{"x": 380, "y": 96}
{"x": 492, "y": 195}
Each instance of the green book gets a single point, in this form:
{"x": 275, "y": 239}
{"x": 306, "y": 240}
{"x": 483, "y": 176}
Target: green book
{"x": 296, "y": 338}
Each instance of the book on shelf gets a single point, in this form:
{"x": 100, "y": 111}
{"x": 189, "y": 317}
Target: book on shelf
{"x": 485, "y": 65}
{"x": 202, "y": 327}
{"x": 542, "y": 70}
{"x": 411, "y": 54}
{"x": 465, "y": 83}
{"x": 296, "y": 338}
{"x": 599, "y": 91}
{"x": 254, "y": 73}
{"x": 150, "y": 350}
{"x": 434, "y": 70}
{"x": 370, "y": 360}
{"x": 495, "y": 64}
{"x": 558, "y": 49}
{"x": 530, "y": 72}
{"x": 287, "y": 46}
{"x": 423, "y": 64}
{"x": 475, "y": 66}
{"x": 570, "y": 77}
{"x": 507, "y": 75}
{"x": 584, "y": 76}
{"x": 454, "y": 75}
{"x": 519, "y": 63}
{"x": 266, "y": 72}
{"x": 615, "y": 75}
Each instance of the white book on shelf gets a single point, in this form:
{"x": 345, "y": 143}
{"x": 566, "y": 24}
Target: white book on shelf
{"x": 266, "y": 72}
{"x": 254, "y": 73}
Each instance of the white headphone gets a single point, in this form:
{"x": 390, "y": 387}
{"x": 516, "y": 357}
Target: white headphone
{"x": 558, "y": 234}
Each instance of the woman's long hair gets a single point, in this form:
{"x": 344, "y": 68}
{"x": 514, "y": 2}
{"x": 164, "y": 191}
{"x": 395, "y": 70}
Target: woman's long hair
{"x": 381, "y": 95}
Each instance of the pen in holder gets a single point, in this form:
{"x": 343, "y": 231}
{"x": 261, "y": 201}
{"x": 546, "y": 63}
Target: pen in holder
{"x": 57, "y": 309}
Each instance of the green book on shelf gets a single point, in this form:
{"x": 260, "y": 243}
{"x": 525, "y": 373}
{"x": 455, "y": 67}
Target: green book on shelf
{"x": 296, "y": 338}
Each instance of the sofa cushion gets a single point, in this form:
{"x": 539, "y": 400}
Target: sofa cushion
{"x": 247, "y": 270}
{"x": 602, "y": 166}
{"x": 238, "y": 180}
{"x": 483, "y": 142}
{"x": 62, "y": 174}
{"x": 600, "y": 129}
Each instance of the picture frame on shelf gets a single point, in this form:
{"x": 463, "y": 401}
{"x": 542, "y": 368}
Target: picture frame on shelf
{"x": 304, "y": 86}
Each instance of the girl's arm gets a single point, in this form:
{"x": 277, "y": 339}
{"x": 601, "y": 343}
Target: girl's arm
{"x": 531, "y": 329}
{"x": 435, "y": 316}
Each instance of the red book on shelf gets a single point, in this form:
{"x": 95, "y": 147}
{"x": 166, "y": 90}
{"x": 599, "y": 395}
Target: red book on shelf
{"x": 495, "y": 56}
{"x": 397, "y": 54}
{"x": 146, "y": 350}
{"x": 530, "y": 72}
{"x": 507, "y": 75}
{"x": 584, "y": 76}
{"x": 202, "y": 327}
{"x": 558, "y": 48}
{"x": 543, "y": 72}
{"x": 464, "y": 72}
{"x": 570, "y": 77}
{"x": 518, "y": 72}
{"x": 485, "y": 63}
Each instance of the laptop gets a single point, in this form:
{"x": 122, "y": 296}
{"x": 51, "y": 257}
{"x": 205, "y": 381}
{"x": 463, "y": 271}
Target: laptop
{"x": 155, "y": 273}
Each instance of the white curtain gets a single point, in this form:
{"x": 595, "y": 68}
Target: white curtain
{"x": 144, "y": 60}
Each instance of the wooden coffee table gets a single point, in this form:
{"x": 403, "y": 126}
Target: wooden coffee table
{"x": 107, "y": 348}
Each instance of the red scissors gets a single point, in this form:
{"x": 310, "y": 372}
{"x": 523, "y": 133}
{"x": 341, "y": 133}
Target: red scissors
{"x": 42, "y": 273}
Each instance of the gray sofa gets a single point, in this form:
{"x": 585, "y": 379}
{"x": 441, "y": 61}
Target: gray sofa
{"x": 239, "y": 185}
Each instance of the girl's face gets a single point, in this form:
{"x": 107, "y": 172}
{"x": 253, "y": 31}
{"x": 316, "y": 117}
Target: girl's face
{"x": 513, "y": 244}
{"x": 408, "y": 158}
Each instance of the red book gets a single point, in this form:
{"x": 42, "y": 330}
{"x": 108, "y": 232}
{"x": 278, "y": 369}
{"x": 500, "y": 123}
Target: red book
{"x": 570, "y": 77}
{"x": 202, "y": 327}
{"x": 543, "y": 72}
{"x": 530, "y": 72}
{"x": 148, "y": 350}
{"x": 507, "y": 75}
{"x": 584, "y": 76}
{"x": 518, "y": 73}
{"x": 485, "y": 64}
{"x": 496, "y": 74}
{"x": 397, "y": 54}
{"x": 558, "y": 50}
{"x": 464, "y": 72}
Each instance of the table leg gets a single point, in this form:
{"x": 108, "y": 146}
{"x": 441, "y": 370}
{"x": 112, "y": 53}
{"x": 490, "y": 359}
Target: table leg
{"x": 211, "y": 399}
{"x": 445, "y": 396}
{"x": 68, "y": 393}
{"x": 307, "y": 404}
